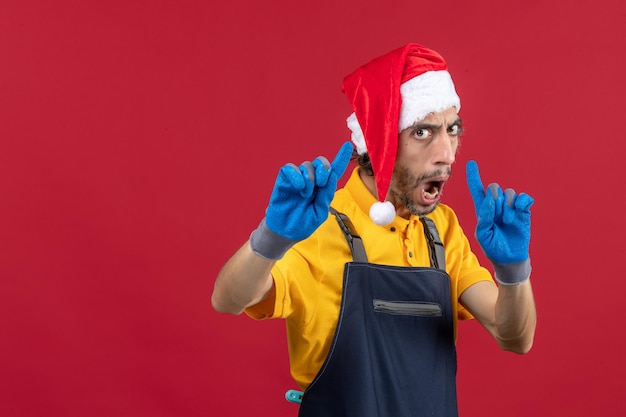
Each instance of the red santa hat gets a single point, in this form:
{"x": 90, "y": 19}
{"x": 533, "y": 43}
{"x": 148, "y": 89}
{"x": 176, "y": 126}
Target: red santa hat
{"x": 389, "y": 94}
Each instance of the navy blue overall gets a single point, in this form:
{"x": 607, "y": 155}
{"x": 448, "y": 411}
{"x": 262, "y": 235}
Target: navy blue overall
{"x": 393, "y": 351}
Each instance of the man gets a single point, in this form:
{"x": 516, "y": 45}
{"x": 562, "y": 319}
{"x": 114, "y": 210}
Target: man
{"x": 371, "y": 293}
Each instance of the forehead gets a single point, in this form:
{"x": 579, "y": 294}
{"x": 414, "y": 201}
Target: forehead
{"x": 449, "y": 115}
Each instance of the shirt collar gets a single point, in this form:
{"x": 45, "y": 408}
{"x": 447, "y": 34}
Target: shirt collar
{"x": 364, "y": 199}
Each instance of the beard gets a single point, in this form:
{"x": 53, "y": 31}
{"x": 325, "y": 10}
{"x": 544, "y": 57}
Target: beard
{"x": 404, "y": 185}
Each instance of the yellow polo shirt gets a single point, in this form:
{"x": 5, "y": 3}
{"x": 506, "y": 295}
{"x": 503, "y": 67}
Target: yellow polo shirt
{"x": 308, "y": 279}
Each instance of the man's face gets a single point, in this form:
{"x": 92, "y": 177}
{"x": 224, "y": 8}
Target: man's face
{"x": 425, "y": 155}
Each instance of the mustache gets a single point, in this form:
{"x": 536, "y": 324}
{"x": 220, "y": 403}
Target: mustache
{"x": 433, "y": 174}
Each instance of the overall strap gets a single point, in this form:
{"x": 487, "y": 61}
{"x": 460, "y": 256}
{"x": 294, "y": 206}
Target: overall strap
{"x": 435, "y": 246}
{"x": 353, "y": 238}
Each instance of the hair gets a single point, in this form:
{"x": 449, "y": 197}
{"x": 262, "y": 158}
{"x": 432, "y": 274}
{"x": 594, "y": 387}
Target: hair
{"x": 364, "y": 162}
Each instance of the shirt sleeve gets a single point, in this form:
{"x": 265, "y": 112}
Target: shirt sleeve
{"x": 462, "y": 264}
{"x": 294, "y": 282}
{"x": 273, "y": 306}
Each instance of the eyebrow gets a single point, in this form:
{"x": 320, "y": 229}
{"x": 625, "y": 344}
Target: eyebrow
{"x": 457, "y": 122}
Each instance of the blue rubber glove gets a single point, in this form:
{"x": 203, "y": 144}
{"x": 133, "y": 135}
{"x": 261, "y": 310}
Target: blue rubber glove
{"x": 502, "y": 228}
{"x": 299, "y": 203}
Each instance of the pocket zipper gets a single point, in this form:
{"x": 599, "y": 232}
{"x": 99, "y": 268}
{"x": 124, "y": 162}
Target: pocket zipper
{"x": 408, "y": 308}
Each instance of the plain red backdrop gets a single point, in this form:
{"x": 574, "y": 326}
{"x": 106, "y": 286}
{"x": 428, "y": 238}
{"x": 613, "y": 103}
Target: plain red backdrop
{"x": 139, "y": 141}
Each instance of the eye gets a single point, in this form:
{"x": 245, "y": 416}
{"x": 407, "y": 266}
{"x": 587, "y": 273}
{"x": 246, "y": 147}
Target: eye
{"x": 455, "y": 130}
{"x": 421, "y": 133}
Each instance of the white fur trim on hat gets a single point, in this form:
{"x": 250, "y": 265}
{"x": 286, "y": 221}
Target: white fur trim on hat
{"x": 431, "y": 92}
{"x": 357, "y": 134}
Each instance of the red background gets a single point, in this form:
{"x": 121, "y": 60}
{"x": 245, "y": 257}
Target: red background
{"x": 139, "y": 141}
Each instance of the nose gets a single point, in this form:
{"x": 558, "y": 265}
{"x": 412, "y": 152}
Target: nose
{"x": 445, "y": 149}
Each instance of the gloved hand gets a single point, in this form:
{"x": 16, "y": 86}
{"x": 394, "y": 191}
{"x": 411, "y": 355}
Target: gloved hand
{"x": 299, "y": 203}
{"x": 502, "y": 228}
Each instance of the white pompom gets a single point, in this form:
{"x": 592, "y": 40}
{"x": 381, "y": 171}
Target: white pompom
{"x": 382, "y": 213}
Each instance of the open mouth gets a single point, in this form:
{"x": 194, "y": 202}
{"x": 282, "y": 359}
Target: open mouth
{"x": 432, "y": 191}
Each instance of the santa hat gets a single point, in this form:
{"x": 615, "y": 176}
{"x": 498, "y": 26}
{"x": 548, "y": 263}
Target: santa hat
{"x": 389, "y": 94}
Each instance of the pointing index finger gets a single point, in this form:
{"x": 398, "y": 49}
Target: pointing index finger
{"x": 474, "y": 183}
{"x": 341, "y": 161}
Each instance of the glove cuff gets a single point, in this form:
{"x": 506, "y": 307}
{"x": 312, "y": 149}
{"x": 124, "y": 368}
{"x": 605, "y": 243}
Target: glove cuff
{"x": 512, "y": 274}
{"x": 267, "y": 244}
